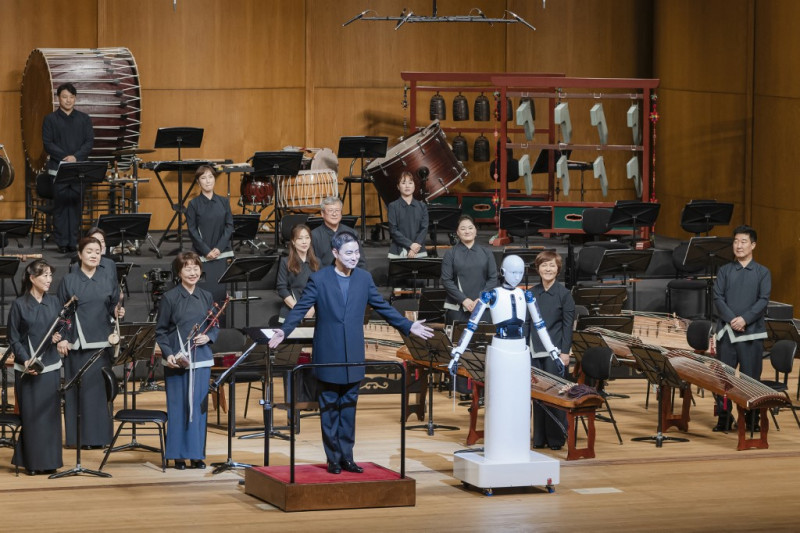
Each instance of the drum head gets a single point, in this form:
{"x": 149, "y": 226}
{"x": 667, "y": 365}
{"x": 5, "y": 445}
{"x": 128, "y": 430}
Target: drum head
{"x": 325, "y": 159}
{"x": 6, "y": 174}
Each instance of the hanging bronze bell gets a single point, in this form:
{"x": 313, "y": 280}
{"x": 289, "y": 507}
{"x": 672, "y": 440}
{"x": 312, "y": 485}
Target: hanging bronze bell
{"x": 438, "y": 107}
{"x": 480, "y": 151}
{"x": 482, "y": 109}
{"x": 460, "y": 149}
{"x": 460, "y": 108}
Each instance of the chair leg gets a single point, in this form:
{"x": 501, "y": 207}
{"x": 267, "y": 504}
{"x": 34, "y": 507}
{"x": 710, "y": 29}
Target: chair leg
{"x": 647, "y": 396}
{"x": 669, "y": 300}
{"x": 613, "y": 420}
{"x": 247, "y": 399}
{"x": 111, "y": 446}
{"x": 774, "y": 420}
{"x": 161, "y": 431}
{"x": 792, "y": 408}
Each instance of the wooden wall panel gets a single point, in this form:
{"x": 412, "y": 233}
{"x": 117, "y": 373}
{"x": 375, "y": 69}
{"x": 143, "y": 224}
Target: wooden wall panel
{"x": 777, "y": 248}
{"x": 209, "y": 43}
{"x": 778, "y": 50}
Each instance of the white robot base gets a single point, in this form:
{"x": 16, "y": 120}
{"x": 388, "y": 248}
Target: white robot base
{"x": 471, "y": 468}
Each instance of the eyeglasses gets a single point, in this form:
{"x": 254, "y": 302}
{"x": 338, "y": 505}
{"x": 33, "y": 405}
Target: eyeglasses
{"x": 333, "y": 211}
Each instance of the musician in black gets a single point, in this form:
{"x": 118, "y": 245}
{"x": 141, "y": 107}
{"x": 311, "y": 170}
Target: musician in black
{"x": 741, "y": 294}
{"x": 187, "y": 358}
{"x": 331, "y": 212}
{"x": 294, "y": 270}
{"x": 557, "y": 308}
{"x": 98, "y": 307}
{"x": 408, "y": 221}
{"x": 467, "y": 270}
{"x": 68, "y": 137}
{"x": 107, "y": 267}
{"x": 38, "y": 448}
{"x": 210, "y": 223}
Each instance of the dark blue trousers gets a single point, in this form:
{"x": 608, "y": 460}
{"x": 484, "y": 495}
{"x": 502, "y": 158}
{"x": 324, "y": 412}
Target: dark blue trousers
{"x": 337, "y": 413}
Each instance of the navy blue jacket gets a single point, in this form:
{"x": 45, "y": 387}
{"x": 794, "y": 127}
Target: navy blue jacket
{"x": 339, "y": 329}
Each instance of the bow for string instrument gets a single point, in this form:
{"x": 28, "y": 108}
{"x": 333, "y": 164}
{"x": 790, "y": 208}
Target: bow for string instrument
{"x": 183, "y": 358}
{"x": 60, "y": 325}
{"x": 114, "y": 337}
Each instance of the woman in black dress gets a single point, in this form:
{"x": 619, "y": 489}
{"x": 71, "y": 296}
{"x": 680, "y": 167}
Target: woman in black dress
{"x": 98, "y": 304}
{"x": 294, "y": 271}
{"x": 187, "y": 366}
{"x": 38, "y": 448}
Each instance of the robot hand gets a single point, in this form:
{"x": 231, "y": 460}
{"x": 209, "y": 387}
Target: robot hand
{"x": 555, "y": 355}
{"x": 452, "y": 367}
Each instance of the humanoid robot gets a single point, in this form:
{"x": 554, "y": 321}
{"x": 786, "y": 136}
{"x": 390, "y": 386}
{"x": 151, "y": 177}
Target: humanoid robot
{"x": 508, "y": 366}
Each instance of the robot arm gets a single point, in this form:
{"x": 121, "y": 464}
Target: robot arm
{"x": 472, "y": 325}
{"x": 541, "y": 330}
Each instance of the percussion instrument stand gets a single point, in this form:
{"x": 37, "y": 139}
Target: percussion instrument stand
{"x": 76, "y": 382}
{"x": 135, "y": 203}
{"x": 362, "y": 147}
{"x": 658, "y": 370}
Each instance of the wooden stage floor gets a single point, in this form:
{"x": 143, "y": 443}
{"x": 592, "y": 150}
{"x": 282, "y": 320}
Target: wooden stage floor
{"x": 702, "y": 485}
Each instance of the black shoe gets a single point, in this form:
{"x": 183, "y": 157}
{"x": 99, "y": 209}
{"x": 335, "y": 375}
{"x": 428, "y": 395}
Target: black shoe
{"x": 351, "y": 466}
{"x": 199, "y": 464}
{"x": 333, "y": 468}
{"x": 539, "y": 446}
{"x": 723, "y": 424}
{"x": 555, "y": 448}
{"x": 180, "y": 465}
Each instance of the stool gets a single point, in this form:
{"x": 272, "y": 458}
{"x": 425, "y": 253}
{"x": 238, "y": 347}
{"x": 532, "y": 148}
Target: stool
{"x": 347, "y": 193}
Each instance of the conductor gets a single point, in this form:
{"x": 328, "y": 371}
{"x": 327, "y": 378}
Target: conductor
{"x": 340, "y": 294}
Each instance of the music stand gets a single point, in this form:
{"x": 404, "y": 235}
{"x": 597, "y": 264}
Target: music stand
{"x": 76, "y": 382}
{"x": 8, "y": 269}
{"x": 700, "y": 216}
{"x": 179, "y": 137}
{"x": 18, "y": 229}
{"x": 117, "y": 228}
{"x": 436, "y": 352}
{"x": 272, "y": 164}
{"x": 522, "y": 221}
{"x": 360, "y": 148}
{"x": 425, "y": 268}
{"x": 245, "y": 230}
{"x": 442, "y": 216}
{"x": 625, "y": 262}
{"x": 81, "y": 173}
{"x": 606, "y": 300}
{"x": 621, "y": 323}
{"x": 431, "y": 305}
{"x": 123, "y": 271}
{"x": 248, "y": 269}
{"x": 712, "y": 252}
{"x": 659, "y": 372}
{"x": 634, "y": 214}
{"x": 779, "y": 330}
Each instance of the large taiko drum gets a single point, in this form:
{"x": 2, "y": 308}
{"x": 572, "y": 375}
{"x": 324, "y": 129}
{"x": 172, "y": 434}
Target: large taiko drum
{"x": 307, "y": 189}
{"x": 107, "y": 81}
{"x": 425, "y": 154}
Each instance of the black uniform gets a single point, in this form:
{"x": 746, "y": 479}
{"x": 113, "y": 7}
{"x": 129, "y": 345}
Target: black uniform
{"x": 291, "y": 284}
{"x": 97, "y": 299}
{"x": 466, "y": 272}
{"x": 39, "y": 444}
{"x": 408, "y": 224}
{"x": 64, "y": 135}
{"x": 210, "y": 224}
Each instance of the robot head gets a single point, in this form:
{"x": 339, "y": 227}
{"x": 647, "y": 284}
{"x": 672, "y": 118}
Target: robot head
{"x": 512, "y": 270}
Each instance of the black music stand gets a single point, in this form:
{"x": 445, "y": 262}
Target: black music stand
{"x": 179, "y": 137}
{"x": 621, "y": 323}
{"x": 76, "y": 382}
{"x": 523, "y": 221}
{"x": 248, "y": 269}
{"x": 444, "y": 217}
{"x": 123, "y": 271}
{"x": 82, "y": 172}
{"x": 424, "y": 268}
{"x": 360, "y": 148}
{"x": 778, "y": 330}
{"x": 625, "y": 262}
{"x": 712, "y": 252}
{"x": 436, "y": 351}
{"x": 245, "y": 230}
{"x": 19, "y": 229}
{"x": 659, "y": 372}
{"x": 634, "y": 214}
{"x": 700, "y": 216}
{"x": 271, "y": 165}
{"x": 601, "y": 300}
{"x": 8, "y": 269}
{"x": 118, "y": 228}
{"x": 431, "y": 305}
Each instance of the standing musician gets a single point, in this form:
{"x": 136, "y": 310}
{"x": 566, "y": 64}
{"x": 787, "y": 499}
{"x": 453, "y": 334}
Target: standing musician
{"x": 98, "y": 306}
{"x": 294, "y": 271}
{"x": 183, "y": 332}
{"x": 468, "y": 269}
{"x": 408, "y": 221}
{"x": 68, "y": 137}
{"x": 340, "y": 294}
{"x": 107, "y": 267}
{"x": 210, "y": 223}
{"x": 741, "y": 294}
{"x": 557, "y": 308}
{"x": 38, "y": 447}
{"x": 331, "y": 212}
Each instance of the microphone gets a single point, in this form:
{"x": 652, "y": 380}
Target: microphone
{"x": 359, "y": 16}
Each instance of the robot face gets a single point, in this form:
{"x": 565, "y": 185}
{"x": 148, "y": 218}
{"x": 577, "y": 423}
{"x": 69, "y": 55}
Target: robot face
{"x": 513, "y": 270}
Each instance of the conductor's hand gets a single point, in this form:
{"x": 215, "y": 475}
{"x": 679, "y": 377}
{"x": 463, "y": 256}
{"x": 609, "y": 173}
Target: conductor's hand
{"x": 419, "y": 329}
{"x": 277, "y": 338}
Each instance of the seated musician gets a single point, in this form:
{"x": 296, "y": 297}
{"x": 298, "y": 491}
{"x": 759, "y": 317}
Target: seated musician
{"x": 467, "y": 270}
{"x": 210, "y": 223}
{"x": 331, "y": 212}
{"x": 408, "y": 221}
{"x": 558, "y": 312}
{"x": 294, "y": 271}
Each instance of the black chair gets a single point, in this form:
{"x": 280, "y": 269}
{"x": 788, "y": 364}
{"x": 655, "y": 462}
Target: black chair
{"x": 13, "y": 423}
{"x": 287, "y": 223}
{"x": 782, "y": 358}
{"x": 135, "y": 418}
{"x": 685, "y": 277}
{"x": 596, "y": 364}
{"x": 594, "y": 222}
{"x": 698, "y": 335}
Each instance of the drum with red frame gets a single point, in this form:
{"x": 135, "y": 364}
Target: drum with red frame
{"x": 256, "y": 191}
